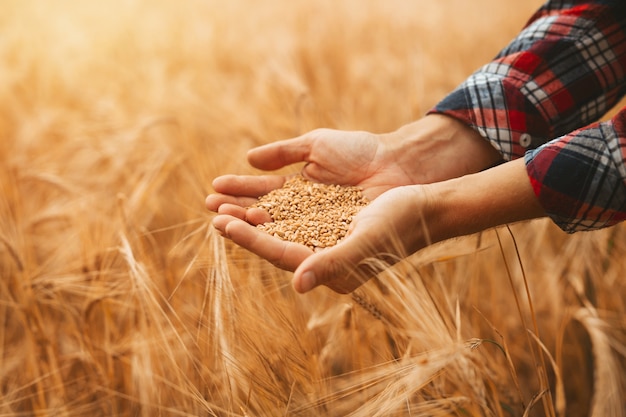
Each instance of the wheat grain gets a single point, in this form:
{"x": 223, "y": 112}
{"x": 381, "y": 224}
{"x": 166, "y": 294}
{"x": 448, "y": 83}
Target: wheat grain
{"x": 313, "y": 214}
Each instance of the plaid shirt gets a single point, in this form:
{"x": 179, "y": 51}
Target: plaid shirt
{"x": 541, "y": 97}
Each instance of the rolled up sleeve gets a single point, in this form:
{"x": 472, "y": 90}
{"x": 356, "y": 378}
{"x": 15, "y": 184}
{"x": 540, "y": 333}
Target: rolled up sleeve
{"x": 580, "y": 178}
{"x": 565, "y": 70}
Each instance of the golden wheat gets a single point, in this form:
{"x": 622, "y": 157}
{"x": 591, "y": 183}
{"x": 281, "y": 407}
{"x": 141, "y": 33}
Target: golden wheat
{"x": 118, "y": 299}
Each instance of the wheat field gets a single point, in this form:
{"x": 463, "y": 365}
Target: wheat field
{"x": 117, "y": 298}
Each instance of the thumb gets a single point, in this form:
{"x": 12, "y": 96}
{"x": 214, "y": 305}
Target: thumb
{"x": 373, "y": 245}
{"x": 342, "y": 268}
{"x": 279, "y": 154}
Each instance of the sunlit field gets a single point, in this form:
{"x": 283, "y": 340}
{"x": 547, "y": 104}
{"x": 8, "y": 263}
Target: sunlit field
{"x": 118, "y": 298}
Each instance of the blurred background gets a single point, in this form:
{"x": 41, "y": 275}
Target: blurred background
{"x": 118, "y": 298}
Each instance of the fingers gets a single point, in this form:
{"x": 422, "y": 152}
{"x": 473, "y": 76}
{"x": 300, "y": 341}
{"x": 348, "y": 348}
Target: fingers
{"x": 247, "y": 185}
{"x": 213, "y": 202}
{"x": 233, "y": 210}
{"x": 241, "y": 190}
{"x": 279, "y": 154}
{"x": 254, "y": 215}
{"x": 337, "y": 268}
{"x": 340, "y": 268}
{"x": 285, "y": 255}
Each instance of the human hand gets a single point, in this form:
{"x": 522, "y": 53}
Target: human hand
{"x": 331, "y": 157}
{"x": 434, "y": 148}
{"x": 399, "y": 222}
{"x": 382, "y": 233}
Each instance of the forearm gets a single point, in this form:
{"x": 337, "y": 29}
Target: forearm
{"x": 477, "y": 202}
{"x": 578, "y": 180}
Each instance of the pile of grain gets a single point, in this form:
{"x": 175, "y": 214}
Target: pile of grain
{"x": 313, "y": 214}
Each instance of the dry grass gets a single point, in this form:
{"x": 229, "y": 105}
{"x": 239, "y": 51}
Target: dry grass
{"x": 117, "y": 298}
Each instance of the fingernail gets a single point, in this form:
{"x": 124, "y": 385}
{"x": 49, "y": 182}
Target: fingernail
{"x": 307, "y": 281}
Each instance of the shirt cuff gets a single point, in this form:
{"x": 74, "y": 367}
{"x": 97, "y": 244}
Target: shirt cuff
{"x": 512, "y": 127}
{"x": 580, "y": 178}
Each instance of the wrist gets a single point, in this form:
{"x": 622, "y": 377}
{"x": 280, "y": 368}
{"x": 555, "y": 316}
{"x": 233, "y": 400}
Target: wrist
{"x": 477, "y": 202}
{"x": 438, "y": 147}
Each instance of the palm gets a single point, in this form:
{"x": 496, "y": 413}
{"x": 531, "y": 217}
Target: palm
{"x": 346, "y": 158}
{"x": 352, "y": 158}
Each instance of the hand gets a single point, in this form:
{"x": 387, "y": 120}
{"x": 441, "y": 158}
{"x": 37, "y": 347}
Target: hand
{"x": 432, "y": 149}
{"x": 331, "y": 156}
{"x": 388, "y": 229}
{"x": 399, "y": 222}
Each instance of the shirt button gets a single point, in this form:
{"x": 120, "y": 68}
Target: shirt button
{"x": 525, "y": 140}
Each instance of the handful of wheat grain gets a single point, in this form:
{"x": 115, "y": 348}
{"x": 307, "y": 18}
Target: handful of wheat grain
{"x": 313, "y": 214}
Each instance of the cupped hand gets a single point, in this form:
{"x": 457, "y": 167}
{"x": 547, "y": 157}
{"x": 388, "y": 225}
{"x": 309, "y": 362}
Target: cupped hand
{"x": 381, "y": 234}
{"x": 387, "y": 167}
{"x": 330, "y": 156}
{"x": 432, "y": 149}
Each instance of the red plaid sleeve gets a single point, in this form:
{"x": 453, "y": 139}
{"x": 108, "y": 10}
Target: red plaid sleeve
{"x": 564, "y": 71}
{"x": 580, "y": 178}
